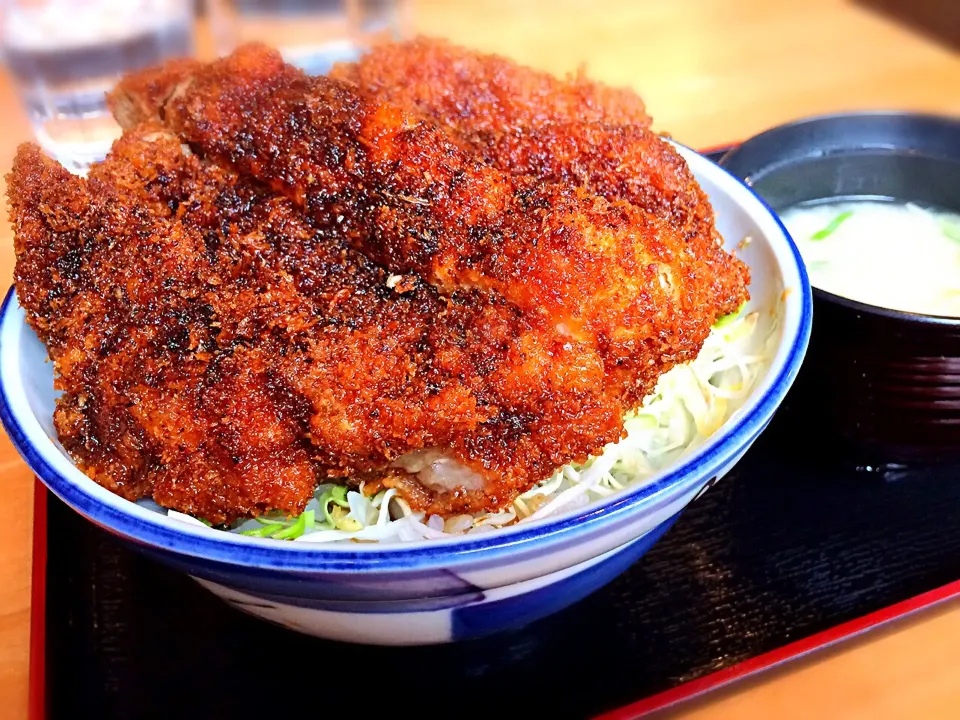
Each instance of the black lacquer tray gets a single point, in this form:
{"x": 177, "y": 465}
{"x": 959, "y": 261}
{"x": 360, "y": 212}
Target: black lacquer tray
{"x": 793, "y": 550}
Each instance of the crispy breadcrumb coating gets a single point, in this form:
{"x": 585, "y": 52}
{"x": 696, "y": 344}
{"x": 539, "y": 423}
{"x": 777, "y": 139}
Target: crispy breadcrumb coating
{"x": 275, "y": 279}
{"x": 601, "y": 142}
{"x": 622, "y": 279}
{"x": 219, "y": 354}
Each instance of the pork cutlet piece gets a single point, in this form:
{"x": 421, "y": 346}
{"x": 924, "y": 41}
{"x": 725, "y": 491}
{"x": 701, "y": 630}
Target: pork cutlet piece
{"x": 116, "y": 292}
{"x": 220, "y": 354}
{"x": 485, "y": 101}
{"x": 612, "y": 276}
{"x": 493, "y": 92}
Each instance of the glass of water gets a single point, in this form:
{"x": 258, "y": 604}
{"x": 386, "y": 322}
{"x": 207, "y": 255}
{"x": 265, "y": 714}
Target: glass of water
{"x": 66, "y": 54}
{"x": 312, "y": 34}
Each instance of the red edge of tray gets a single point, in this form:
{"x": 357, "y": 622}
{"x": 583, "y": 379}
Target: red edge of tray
{"x": 785, "y": 653}
{"x": 38, "y": 606}
{"x": 660, "y": 701}
{"x": 686, "y": 691}
{"x": 38, "y": 594}
{"x": 791, "y": 651}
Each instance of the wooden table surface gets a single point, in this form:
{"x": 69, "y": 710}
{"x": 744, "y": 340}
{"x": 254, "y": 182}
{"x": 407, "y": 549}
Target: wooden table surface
{"x": 711, "y": 71}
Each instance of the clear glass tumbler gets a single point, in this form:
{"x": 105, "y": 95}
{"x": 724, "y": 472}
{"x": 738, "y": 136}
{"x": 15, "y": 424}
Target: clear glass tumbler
{"x": 64, "y": 55}
{"x": 312, "y": 34}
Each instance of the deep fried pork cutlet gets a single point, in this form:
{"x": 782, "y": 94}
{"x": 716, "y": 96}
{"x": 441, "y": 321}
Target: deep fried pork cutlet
{"x": 489, "y": 91}
{"x": 606, "y": 147}
{"x": 452, "y": 293}
{"x": 219, "y": 354}
{"x": 116, "y": 294}
{"x": 622, "y": 280}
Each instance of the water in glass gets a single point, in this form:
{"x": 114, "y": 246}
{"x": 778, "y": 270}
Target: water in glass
{"x": 66, "y": 54}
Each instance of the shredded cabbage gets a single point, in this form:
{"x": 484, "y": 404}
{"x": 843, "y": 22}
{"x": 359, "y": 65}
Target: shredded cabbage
{"x": 688, "y": 405}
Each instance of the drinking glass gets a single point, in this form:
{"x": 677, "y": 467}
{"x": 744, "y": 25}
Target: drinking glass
{"x": 64, "y": 55}
{"x": 312, "y": 34}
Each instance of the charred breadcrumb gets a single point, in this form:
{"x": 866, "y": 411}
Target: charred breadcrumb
{"x": 275, "y": 279}
{"x": 620, "y": 278}
{"x": 221, "y": 355}
{"x": 487, "y": 91}
{"x": 576, "y": 133}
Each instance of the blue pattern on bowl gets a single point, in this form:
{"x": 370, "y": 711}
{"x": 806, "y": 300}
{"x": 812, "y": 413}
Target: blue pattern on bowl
{"x": 471, "y": 621}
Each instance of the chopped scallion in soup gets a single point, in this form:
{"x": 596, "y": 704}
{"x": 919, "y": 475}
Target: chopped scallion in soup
{"x": 894, "y": 255}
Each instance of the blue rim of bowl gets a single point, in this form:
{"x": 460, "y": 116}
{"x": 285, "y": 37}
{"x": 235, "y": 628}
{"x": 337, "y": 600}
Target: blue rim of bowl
{"x": 234, "y": 550}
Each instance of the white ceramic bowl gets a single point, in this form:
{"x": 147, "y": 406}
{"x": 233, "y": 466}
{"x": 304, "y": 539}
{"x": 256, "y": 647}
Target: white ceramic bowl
{"x": 448, "y": 589}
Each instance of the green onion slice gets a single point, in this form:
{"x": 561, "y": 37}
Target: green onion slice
{"x": 950, "y": 230}
{"x": 303, "y": 523}
{"x": 339, "y": 496}
{"x": 832, "y": 226}
{"x": 265, "y": 531}
{"x": 725, "y": 320}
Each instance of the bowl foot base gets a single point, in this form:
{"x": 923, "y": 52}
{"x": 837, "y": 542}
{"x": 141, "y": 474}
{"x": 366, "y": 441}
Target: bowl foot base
{"x": 496, "y": 610}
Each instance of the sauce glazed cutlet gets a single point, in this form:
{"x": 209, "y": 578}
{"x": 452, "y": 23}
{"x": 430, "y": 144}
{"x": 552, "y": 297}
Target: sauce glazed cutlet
{"x": 117, "y": 296}
{"x": 616, "y": 277}
{"x": 220, "y": 355}
{"x": 492, "y": 92}
{"x": 484, "y": 102}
